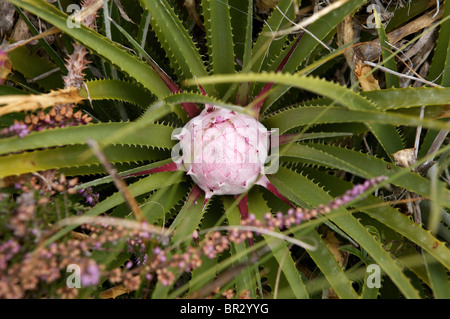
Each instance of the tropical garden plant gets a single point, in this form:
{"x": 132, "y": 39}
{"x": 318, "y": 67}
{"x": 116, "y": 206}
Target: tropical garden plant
{"x": 104, "y": 104}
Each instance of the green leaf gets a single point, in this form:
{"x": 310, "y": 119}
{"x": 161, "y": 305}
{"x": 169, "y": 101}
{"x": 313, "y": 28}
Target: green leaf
{"x": 101, "y": 45}
{"x": 33, "y": 66}
{"x": 321, "y": 29}
{"x": 388, "y": 137}
{"x": 327, "y": 263}
{"x": 241, "y": 13}
{"x": 95, "y": 169}
{"x": 441, "y": 57}
{"x": 176, "y": 41}
{"x": 390, "y": 99}
{"x": 244, "y": 280}
{"x": 107, "y": 89}
{"x": 279, "y": 248}
{"x": 316, "y": 85}
{"x": 162, "y": 201}
{"x": 391, "y": 217}
{"x": 408, "y": 97}
{"x": 438, "y": 277}
{"x": 9, "y": 90}
{"x": 200, "y": 98}
{"x": 69, "y": 156}
{"x": 187, "y": 220}
{"x": 288, "y": 119}
{"x": 359, "y": 164}
{"x": 108, "y": 179}
{"x": 219, "y": 37}
{"x": 266, "y": 48}
{"x": 158, "y": 135}
{"x": 369, "y": 293}
{"x": 388, "y": 58}
{"x": 243, "y": 34}
{"x": 167, "y": 80}
{"x": 314, "y": 196}
{"x": 406, "y": 227}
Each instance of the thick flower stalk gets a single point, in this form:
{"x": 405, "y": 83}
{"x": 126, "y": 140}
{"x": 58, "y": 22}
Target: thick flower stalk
{"x": 223, "y": 151}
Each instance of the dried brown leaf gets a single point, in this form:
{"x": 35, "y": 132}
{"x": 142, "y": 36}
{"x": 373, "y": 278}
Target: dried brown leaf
{"x": 192, "y": 10}
{"x": 114, "y": 292}
{"x": 79, "y": 236}
{"x": 445, "y": 113}
{"x": 405, "y": 158}
{"x": 366, "y": 79}
{"x": 266, "y": 5}
{"x": 20, "y": 103}
{"x": 5, "y": 66}
{"x": 333, "y": 245}
{"x": 371, "y": 50}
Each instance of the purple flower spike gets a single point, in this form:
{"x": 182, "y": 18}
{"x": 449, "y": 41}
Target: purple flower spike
{"x": 295, "y": 217}
{"x": 353, "y": 193}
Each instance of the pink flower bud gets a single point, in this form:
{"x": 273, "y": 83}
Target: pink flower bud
{"x": 223, "y": 151}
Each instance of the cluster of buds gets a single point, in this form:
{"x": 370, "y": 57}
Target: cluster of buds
{"x": 162, "y": 260}
{"x": 215, "y": 244}
{"x": 139, "y": 249}
{"x": 18, "y": 128}
{"x": 7, "y": 251}
{"x": 59, "y": 116}
{"x": 44, "y": 182}
{"x": 89, "y": 195}
{"x": 22, "y": 272}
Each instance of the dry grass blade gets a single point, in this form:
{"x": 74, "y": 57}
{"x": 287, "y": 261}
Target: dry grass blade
{"x": 49, "y": 32}
{"x": 118, "y": 182}
{"x": 304, "y": 23}
{"x": 382, "y": 68}
{"x": 21, "y": 103}
{"x": 88, "y": 11}
{"x": 112, "y": 221}
{"x": 371, "y": 50}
